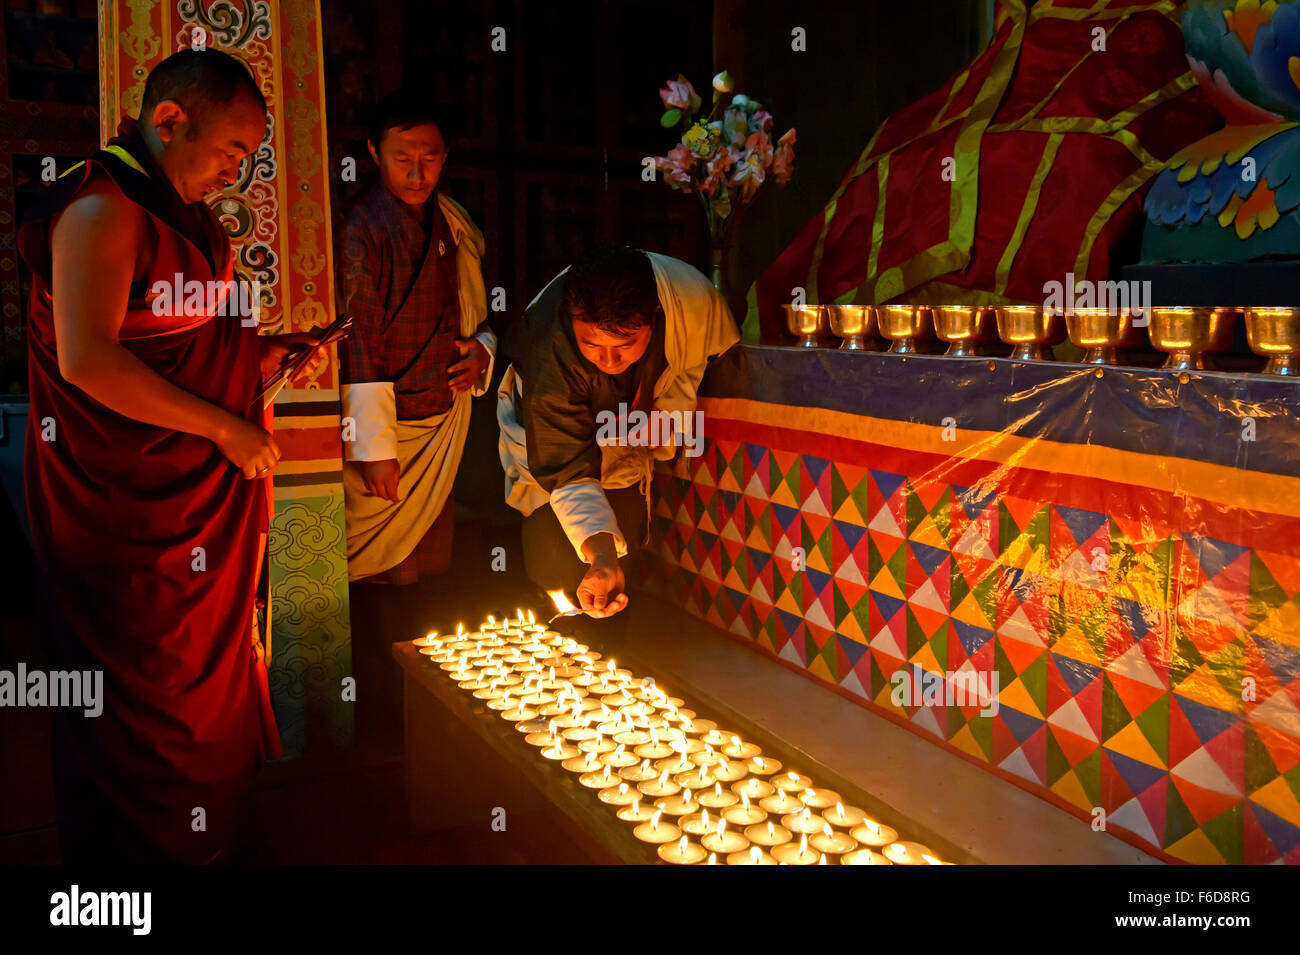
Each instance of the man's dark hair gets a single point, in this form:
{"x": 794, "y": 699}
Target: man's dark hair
{"x": 403, "y": 109}
{"x": 201, "y": 82}
{"x": 613, "y": 287}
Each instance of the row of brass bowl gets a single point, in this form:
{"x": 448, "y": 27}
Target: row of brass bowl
{"x": 1186, "y": 335}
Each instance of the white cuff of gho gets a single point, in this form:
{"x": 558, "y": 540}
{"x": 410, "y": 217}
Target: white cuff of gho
{"x": 583, "y": 510}
{"x": 371, "y": 409}
{"x": 489, "y": 340}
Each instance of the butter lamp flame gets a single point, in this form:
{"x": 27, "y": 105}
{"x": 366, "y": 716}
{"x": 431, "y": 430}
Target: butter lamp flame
{"x": 563, "y": 606}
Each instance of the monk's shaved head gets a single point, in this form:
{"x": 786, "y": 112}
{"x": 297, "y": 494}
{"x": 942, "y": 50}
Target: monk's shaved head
{"x": 201, "y": 82}
{"x": 201, "y": 116}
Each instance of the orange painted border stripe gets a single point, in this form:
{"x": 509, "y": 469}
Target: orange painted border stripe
{"x": 1232, "y": 487}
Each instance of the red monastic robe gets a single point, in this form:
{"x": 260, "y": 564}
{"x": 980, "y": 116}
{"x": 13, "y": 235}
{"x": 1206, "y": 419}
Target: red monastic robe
{"x": 119, "y": 511}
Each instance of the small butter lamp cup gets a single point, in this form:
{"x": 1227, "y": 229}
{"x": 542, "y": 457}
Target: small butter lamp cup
{"x": 698, "y": 824}
{"x": 1031, "y": 331}
{"x": 796, "y": 854}
{"x": 1274, "y": 333}
{"x": 790, "y": 781}
{"x": 1187, "y": 335}
{"x": 864, "y": 857}
{"x": 905, "y": 325}
{"x": 854, "y": 324}
{"x": 910, "y": 853}
{"x": 724, "y": 842}
{"x": 966, "y": 328}
{"x": 872, "y": 833}
{"x": 682, "y": 852}
{"x": 1102, "y": 334}
{"x": 808, "y": 323}
{"x": 754, "y": 856}
{"x": 656, "y": 831}
{"x": 831, "y": 842}
{"x": 637, "y": 812}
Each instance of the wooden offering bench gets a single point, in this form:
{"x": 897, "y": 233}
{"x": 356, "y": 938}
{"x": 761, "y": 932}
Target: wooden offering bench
{"x": 465, "y": 764}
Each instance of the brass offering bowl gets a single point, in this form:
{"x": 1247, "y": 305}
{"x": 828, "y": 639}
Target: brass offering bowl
{"x": 854, "y": 324}
{"x": 808, "y": 323}
{"x": 1274, "y": 333}
{"x": 1031, "y": 331}
{"x": 1189, "y": 334}
{"x": 1102, "y": 334}
{"x": 905, "y": 325}
{"x": 965, "y": 328}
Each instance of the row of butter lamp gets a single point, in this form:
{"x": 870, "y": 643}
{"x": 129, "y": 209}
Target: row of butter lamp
{"x": 1186, "y": 335}
{"x": 698, "y": 793}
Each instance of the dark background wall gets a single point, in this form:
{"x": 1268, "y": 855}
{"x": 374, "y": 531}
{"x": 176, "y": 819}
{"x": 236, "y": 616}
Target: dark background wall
{"x": 864, "y": 61}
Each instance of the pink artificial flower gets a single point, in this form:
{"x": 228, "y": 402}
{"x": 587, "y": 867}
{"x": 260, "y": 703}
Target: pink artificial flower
{"x": 761, "y": 146}
{"x": 782, "y": 165}
{"x": 681, "y": 155}
{"x": 680, "y": 94}
{"x": 715, "y": 172}
{"x": 676, "y": 167}
{"x": 748, "y": 174}
{"x": 761, "y": 121}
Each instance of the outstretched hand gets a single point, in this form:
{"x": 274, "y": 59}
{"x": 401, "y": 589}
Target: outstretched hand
{"x": 475, "y": 359}
{"x": 601, "y": 594}
{"x": 276, "y": 348}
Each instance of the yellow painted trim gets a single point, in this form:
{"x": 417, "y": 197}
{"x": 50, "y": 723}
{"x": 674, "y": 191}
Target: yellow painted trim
{"x": 1045, "y": 161}
{"x": 309, "y": 465}
{"x": 1131, "y": 183}
{"x": 939, "y": 259}
{"x": 955, "y": 87}
{"x": 1045, "y": 9}
{"x": 1128, "y": 139}
{"x": 307, "y": 422}
{"x": 878, "y": 225}
{"x": 291, "y": 395}
{"x": 331, "y": 301}
{"x": 284, "y": 287}
{"x": 1091, "y": 124}
{"x": 965, "y": 193}
{"x": 939, "y": 292}
{"x": 961, "y": 207}
{"x": 750, "y": 331}
{"x": 1233, "y": 487}
{"x": 815, "y": 263}
{"x": 306, "y": 491}
{"x": 955, "y": 251}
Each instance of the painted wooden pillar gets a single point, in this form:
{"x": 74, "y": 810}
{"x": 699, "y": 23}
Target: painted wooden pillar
{"x": 278, "y": 217}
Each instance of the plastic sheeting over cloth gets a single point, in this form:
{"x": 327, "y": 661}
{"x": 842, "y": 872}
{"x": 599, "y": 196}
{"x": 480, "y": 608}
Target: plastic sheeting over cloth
{"x": 1088, "y": 584}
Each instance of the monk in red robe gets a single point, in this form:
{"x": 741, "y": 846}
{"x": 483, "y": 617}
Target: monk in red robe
{"x": 147, "y": 474}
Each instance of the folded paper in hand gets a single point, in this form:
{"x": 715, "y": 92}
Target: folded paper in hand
{"x": 298, "y": 359}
